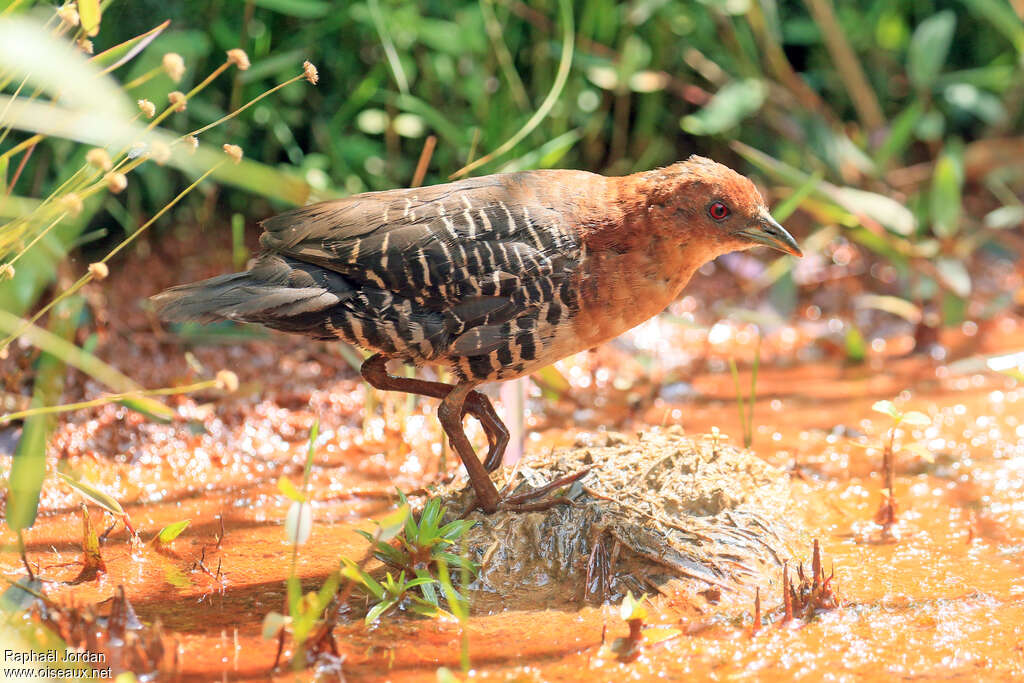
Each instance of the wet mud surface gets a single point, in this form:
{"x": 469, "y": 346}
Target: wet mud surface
{"x": 942, "y": 598}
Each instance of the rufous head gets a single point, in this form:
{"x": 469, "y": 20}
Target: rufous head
{"x": 700, "y": 196}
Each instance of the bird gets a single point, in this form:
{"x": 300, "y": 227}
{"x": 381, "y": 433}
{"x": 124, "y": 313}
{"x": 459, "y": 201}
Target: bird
{"x": 493, "y": 277}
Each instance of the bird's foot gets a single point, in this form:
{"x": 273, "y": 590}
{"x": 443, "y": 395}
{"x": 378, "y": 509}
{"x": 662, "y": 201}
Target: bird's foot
{"x": 534, "y": 500}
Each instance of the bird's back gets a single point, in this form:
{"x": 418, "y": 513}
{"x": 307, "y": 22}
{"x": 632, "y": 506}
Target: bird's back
{"x": 479, "y": 274}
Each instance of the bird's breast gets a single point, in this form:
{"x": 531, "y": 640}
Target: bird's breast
{"x": 618, "y": 291}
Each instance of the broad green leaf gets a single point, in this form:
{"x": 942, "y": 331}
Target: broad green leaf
{"x": 552, "y": 383}
{"x": 172, "y": 531}
{"x": 929, "y": 47}
{"x": 728, "y": 108}
{"x": 886, "y": 210}
{"x": 285, "y": 486}
{"x": 887, "y": 407}
{"x": 945, "y": 196}
{"x": 95, "y": 495}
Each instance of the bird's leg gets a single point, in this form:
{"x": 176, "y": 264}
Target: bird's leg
{"x": 456, "y": 402}
{"x": 450, "y": 414}
{"x": 375, "y": 372}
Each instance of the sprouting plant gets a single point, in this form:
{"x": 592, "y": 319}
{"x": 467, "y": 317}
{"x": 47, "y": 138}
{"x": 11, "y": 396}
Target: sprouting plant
{"x": 634, "y": 612}
{"x": 886, "y": 515}
{"x": 743, "y": 404}
{"x": 305, "y": 612}
{"x": 419, "y": 548}
{"x": 389, "y": 592}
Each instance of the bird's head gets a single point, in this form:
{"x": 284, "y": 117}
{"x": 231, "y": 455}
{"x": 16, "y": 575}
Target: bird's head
{"x": 702, "y": 198}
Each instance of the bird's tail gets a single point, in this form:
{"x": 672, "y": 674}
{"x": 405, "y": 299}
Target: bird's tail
{"x": 276, "y": 291}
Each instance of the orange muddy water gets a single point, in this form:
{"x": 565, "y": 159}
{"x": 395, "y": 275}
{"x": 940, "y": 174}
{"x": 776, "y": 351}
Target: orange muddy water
{"x": 943, "y": 599}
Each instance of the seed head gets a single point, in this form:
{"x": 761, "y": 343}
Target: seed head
{"x": 234, "y": 151}
{"x": 174, "y": 66}
{"x": 99, "y": 270}
{"x": 193, "y": 143}
{"x": 160, "y": 152}
{"x": 310, "y": 72}
{"x": 6, "y": 272}
{"x": 71, "y": 203}
{"x": 116, "y": 182}
{"x": 98, "y": 157}
{"x": 147, "y": 108}
{"x": 85, "y": 45}
{"x": 239, "y": 58}
{"x": 227, "y": 380}
{"x": 68, "y": 15}
{"x": 177, "y": 100}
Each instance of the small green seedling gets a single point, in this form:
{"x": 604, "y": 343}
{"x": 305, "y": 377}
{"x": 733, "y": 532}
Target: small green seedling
{"x": 745, "y": 404}
{"x": 634, "y": 612}
{"x": 886, "y": 515}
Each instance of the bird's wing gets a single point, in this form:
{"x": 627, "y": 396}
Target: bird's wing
{"x": 471, "y": 262}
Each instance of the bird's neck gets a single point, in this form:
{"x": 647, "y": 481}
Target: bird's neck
{"x": 638, "y": 262}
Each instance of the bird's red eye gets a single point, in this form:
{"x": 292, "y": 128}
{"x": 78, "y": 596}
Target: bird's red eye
{"x": 718, "y": 211}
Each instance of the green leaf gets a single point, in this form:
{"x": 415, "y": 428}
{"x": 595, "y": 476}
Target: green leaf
{"x": 633, "y": 608}
{"x": 1004, "y": 218}
{"x": 89, "y": 15}
{"x": 915, "y": 418}
{"x": 929, "y": 47}
{"x": 93, "y": 494}
{"x": 954, "y": 274}
{"x": 945, "y": 196}
{"x": 728, "y": 108}
{"x": 300, "y": 9}
{"x": 272, "y": 624}
{"x": 314, "y": 432}
{"x": 379, "y": 609}
{"x": 856, "y": 346}
{"x": 887, "y": 408}
{"x": 20, "y": 594}
{"x": 285, "y": 486}
{"x": 172, "y": 531}
{"x": 352, "y": 571}
{"x": 890, "y": 304}
{"x": 391, "y": 524}
{"x": 121, "y": 53}
{"x": 151, "y": 408}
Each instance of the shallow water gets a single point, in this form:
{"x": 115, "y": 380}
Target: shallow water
{"x": 945, "y": 600}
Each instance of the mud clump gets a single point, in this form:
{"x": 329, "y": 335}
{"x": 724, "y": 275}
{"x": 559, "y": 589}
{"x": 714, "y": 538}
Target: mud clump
{"x": 686, "y": 517}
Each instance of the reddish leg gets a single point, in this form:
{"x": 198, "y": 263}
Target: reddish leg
{"x": 375, "y": 372}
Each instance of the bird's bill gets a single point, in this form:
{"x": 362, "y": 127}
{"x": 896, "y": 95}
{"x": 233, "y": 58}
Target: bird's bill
{"x": 769, "y": 233}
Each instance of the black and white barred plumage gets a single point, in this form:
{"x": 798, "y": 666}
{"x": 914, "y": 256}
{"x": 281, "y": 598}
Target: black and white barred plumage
{"x": 466, "y": 274}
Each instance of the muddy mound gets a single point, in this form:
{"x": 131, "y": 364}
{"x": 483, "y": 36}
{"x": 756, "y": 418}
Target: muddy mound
{"x": 668, "y": 513}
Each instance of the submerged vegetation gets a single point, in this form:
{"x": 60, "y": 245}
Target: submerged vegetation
{"x": 140, "y": 141}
